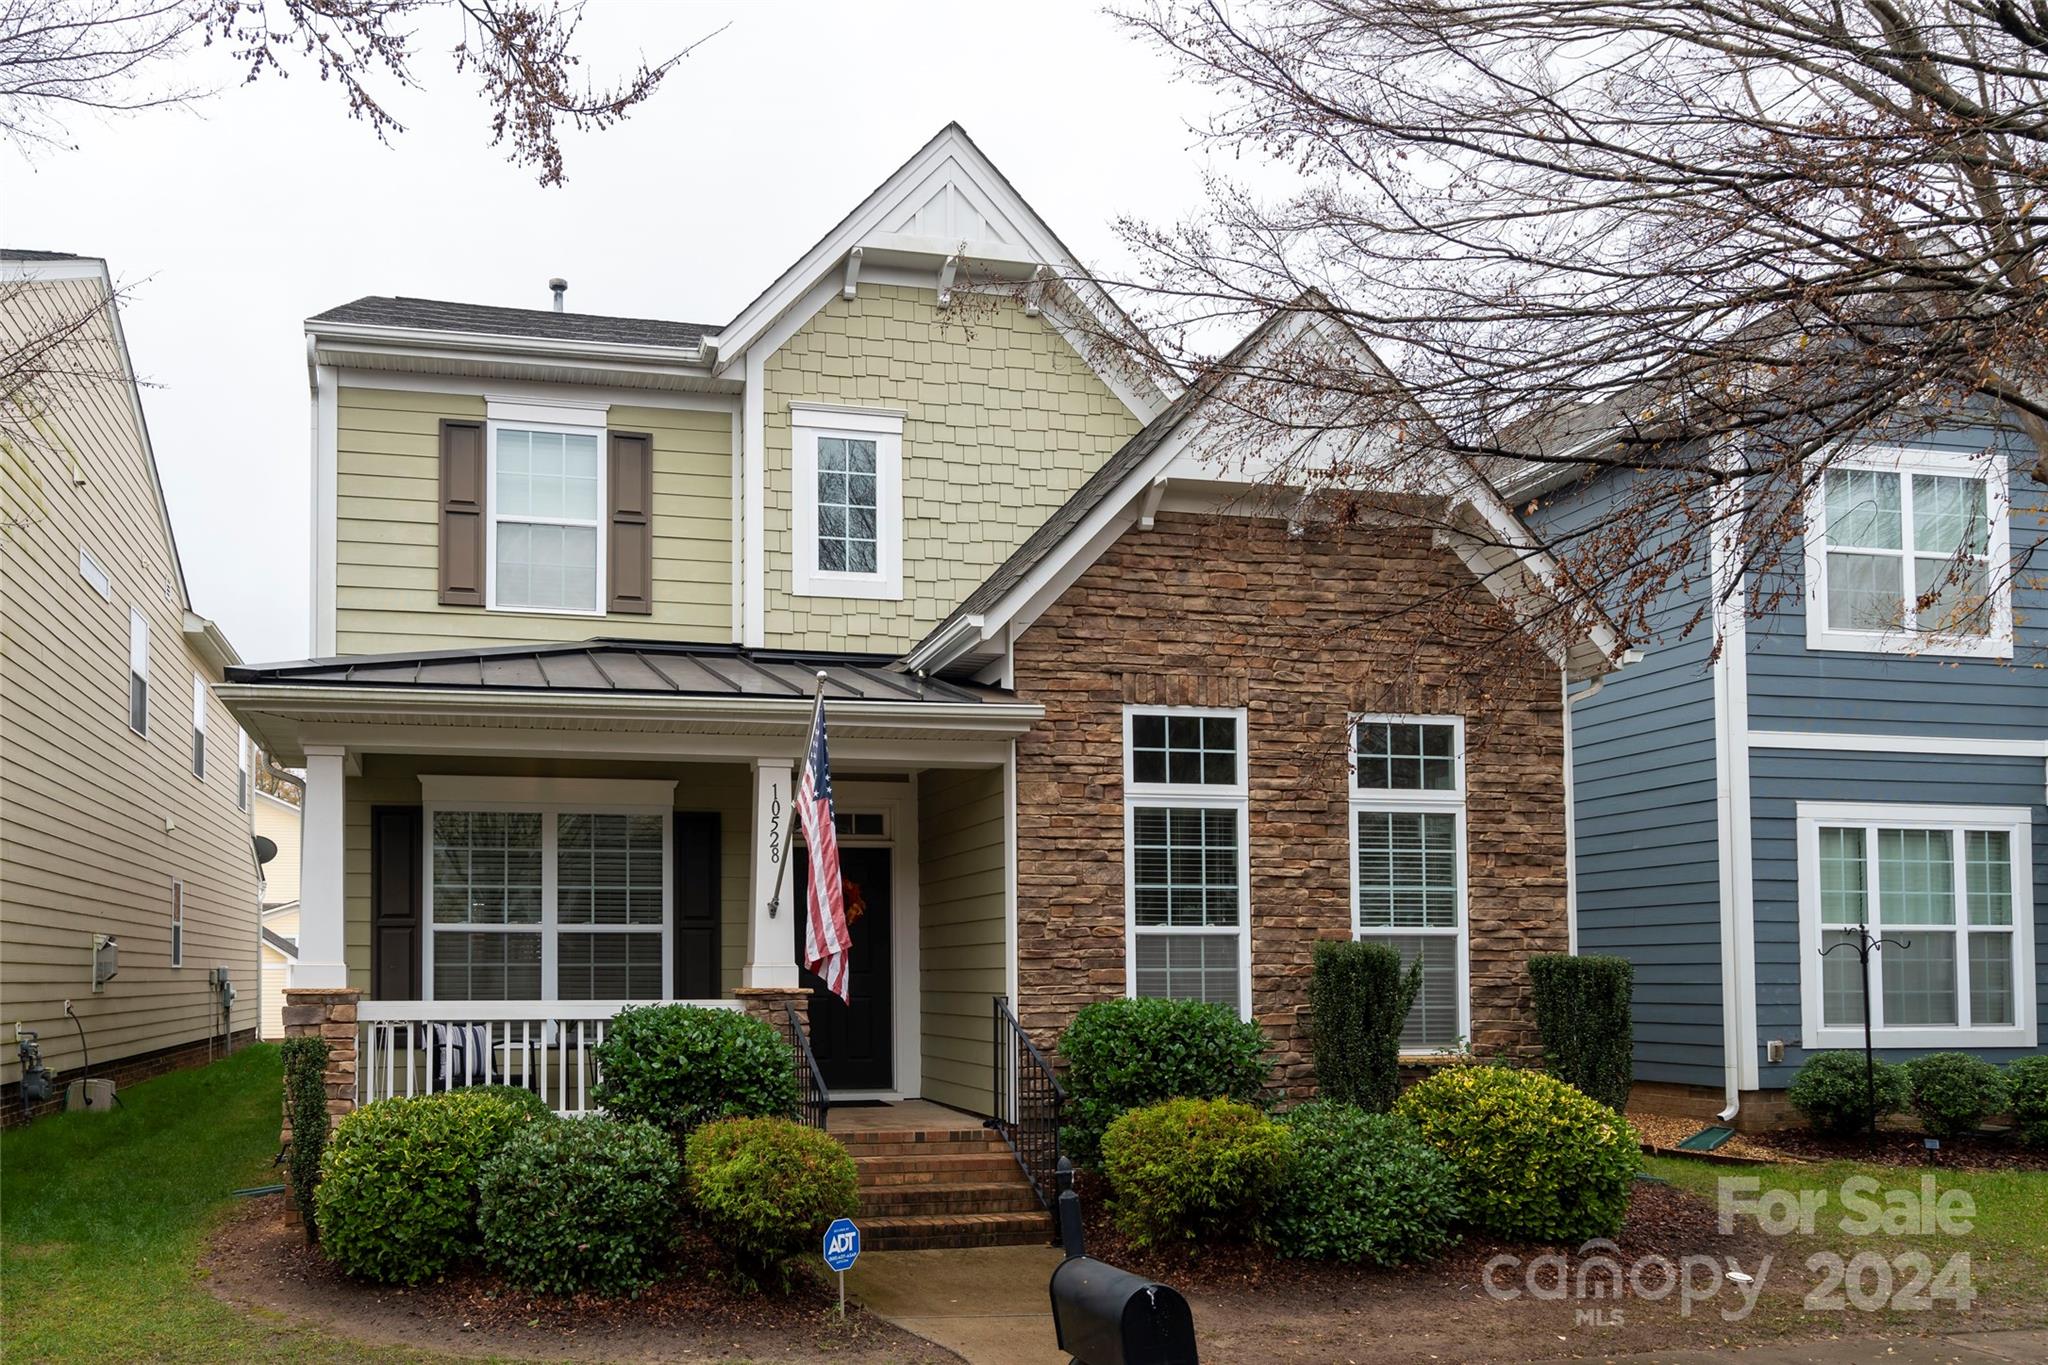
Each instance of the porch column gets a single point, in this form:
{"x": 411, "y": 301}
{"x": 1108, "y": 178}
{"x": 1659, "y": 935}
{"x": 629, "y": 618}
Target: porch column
{"x": 771, "y": 941}
{"x": 323, "y": 959}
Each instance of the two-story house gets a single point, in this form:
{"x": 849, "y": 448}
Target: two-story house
{"x": 125, "y": 785}
{"x": 1091, "y": 709}
{"x": 1867, "y": 747}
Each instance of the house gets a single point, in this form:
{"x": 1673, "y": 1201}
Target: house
{"x": 1842, "y": 759}
{"x": 124, "y": 836}
{"x": 277, "y": 820}
{"x": 578, "y": 576}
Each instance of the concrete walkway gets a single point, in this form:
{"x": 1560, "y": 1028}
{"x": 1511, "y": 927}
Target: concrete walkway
{"x": 987, "y": 1305}
{"x": 1961, "y": 1348}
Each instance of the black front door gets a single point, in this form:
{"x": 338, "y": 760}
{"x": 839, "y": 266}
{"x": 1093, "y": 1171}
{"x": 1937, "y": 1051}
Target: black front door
{"x": 854, "y": 1040}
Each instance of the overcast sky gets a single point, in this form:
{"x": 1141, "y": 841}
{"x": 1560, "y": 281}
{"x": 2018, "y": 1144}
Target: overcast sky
{"x": 267, "y": 204}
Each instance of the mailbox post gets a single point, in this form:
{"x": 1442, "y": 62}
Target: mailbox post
{"x": 1106, "y": 1316}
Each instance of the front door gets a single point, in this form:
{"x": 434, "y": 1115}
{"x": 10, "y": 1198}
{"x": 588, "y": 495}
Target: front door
{"x": 854, "y": 1041}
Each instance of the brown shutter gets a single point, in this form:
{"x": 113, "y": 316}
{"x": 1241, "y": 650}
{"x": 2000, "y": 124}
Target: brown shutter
{"x": 462, "y": 513}
{"x": 396, "y": 871}
{"x": 697, "y": 906}
{"x": 632, "y": 516}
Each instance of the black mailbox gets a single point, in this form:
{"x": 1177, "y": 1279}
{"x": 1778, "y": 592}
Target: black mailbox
{"x": 1106, "y": 1316}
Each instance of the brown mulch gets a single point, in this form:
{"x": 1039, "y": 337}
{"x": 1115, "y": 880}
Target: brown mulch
{"x": 257, "y": 1260}
{"x": 1665, "y": 1132}
{"x": 1986, "y": 1152}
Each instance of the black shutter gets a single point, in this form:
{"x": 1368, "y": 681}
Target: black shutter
{"x": 396, "y": 869}
{"x": 697, "y": 907}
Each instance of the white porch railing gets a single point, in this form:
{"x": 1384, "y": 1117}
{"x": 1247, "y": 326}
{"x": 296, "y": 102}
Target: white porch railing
{"x": 413, "y": 1047}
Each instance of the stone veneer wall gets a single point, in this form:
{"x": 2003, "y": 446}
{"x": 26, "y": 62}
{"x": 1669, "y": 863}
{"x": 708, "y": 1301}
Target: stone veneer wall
{"x": 1232, "y": 611}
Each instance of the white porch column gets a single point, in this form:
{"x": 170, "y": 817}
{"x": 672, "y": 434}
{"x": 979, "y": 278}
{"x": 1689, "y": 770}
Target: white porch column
{"x": 323, "y": 959}
{"x": 771, "y": 941}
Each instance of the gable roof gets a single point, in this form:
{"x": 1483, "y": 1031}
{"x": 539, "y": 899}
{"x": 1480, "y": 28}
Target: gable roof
{"x": 438, "y": 315}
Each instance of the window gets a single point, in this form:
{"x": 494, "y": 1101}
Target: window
{"x": 547, "y": 524}
{"x": 1907, "y": 551}
{"x": 848, "y": 523}
{"x": 138, "y": 672}
{"x": 89, "y": 569}
{"x": 1408, "y": 862}
{"x": 242, "y": 769}
{"x": 1185, "y": 816}
{"x": 860, "y": 824}
{"x": 548, "y": 904}
{"x": 177, "y": 923}
{"x": 1948, "y": 891}
{"x": 199, "y": 727}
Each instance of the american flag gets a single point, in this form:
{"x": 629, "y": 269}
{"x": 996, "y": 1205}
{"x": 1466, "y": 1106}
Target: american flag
{"x": 826, "y": 941}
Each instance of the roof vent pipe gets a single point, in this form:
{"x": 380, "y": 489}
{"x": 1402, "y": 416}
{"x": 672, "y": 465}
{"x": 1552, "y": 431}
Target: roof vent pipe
{"x": 560, "y": 286}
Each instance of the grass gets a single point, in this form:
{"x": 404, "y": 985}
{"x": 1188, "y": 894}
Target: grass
{"x": 103, "y": 1217}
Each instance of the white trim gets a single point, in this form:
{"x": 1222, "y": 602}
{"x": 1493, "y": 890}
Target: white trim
{"x": 807, "y": 426}
{"x": 584, "y": 793}
{"x": 138, "y": 668}
{"x": 493, "y": 515}
{"x": 1010, "y": 927}
{"x": 1734, "y": 832}
{"x": 1904, "y": 461}
{"x": 1954, "y": 745}
{"x": 2016, "y": 822}
{"x": 53, "y": 272}
{"x": 198, "y": 755}
{"x": 417, "y": 340}
{"x": 511, "y": 390}
{"x": 326, "y": 490}
{"x": 848, "y": 417}
{"x": 752, "y": 568}
{"x": 1571, "y": 820}
{"x": 561, "y": 412}
{"x": 245, "y": 784}
{"x": 735, "y": 518}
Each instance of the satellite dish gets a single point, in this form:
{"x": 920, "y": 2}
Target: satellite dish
{"x": 266, "y": 849}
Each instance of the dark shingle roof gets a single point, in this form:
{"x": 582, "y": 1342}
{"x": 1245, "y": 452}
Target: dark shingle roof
{"x": 10, "y": 253}
{"x": 288, "y": 946}
{"x": 435, "y": 315}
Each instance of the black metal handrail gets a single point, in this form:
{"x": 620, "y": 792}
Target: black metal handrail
{"x": 1028, "y": 1097}
{"x": 813, "y": 1101}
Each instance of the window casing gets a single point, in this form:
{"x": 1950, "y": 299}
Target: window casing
{"x": 1885, "y": 528}
{"x": 1187, "y": 858}
{"x": 199, "y": 727}
{"x": 177, "y": 922}
{"x": 138, "y": 672}
{"x": 847, "y": 524}
{"x": 1407, "y": 814}
{"x": 546, "y": 507}
{"x": 242, "y": 769}
{"x": 1951, "y": 888}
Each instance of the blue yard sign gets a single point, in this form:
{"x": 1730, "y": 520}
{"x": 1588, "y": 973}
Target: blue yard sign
{"x": 842, "y": 1245}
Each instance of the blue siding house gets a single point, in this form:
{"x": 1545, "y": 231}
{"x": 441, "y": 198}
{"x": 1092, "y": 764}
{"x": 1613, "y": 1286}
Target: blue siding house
{"x": 1837, "y": 762}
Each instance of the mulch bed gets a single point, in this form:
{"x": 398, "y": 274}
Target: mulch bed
{"x": 2000, "y": 1152}
{"x": 256, "y": 1259}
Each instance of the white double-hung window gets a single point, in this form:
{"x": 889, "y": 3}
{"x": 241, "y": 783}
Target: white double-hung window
{"x": 565, "y": 897}
{"x": 847, "y": 522}
{"x": 546, "y": 506}
{"x": 1408, "y": 862}
{"x": 1948, "y": 893}
{"x": 1187, "y": 887}
{"x": 1908, "y": 550}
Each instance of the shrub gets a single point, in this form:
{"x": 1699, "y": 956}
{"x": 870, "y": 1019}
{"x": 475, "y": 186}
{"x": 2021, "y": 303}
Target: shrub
{"x": 1358, "y": 1001}
{"x": 2027, "y": 1082}
{"x": 680, "y": 1066}
{"x": 765, "y": 1189}
{"x": 1953, "y": 1092}
{"x": 1536, "y": 1160}
{"x": 305, "y": 1104}
{"x": 1830, "y": 1090}
{"x": 1189, "y": 1169}
{"x": 1125, "y": 1054}
{"x": 1582, "y": 1011}
{"x": 1364, "y": 1187}
{"x": 584, "y": 1204}
{"x": 398, "y": 1191}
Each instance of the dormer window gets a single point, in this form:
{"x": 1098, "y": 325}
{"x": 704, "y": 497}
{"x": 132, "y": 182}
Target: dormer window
{"x": 848, "y": 472}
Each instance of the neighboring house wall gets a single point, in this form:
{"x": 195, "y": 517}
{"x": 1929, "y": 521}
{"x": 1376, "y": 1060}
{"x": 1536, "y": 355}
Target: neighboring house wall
{"x": 276, "y": 977}
{"x": 388, "y": 512}
{"x": 962, "y": 930}
{"x": 1003, "y": 420}
{"x": 1303, "y": 633}
{"x": 97, "y": 820}
{"x": 278, "y": 821}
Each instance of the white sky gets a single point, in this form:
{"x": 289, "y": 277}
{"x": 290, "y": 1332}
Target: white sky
{"x": 234, "y": 223}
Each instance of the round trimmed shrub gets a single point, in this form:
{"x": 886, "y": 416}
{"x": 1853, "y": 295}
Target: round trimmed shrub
{"x": 586, "y": 1204}
{"x": 1194, "y": 1169}
{"x": 397, "y": 1199}
{"x": 2026, "y": 1080}
{"x": 1833, "y": 1093}
{"x": 765, "y": 1189}
{"x": 681, "y": 1066}
{"x": 1126, "y": 1054}
{"x": 1953, "y": 1092}
{"x": 1536, "y": 1159}
{"x": 1364, "y": 1188}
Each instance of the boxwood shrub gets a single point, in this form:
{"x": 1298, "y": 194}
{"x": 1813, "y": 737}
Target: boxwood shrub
{"x": 1364, "y": 1188}
{"x": 1536, "y": 1160}
{"x": 397, "y": 1198}
{"x": 1358, "y": 1000}
{"x": 1953, "y": 1092}
{"x": 680, "y": 1066}
{"x": 765, "y": 1189}
{"x": 1189, "y": 1170}
{"x": 1125, "y": 1054}
{"x": 1830, "y": 1090}
{"x": 585, "y": 1204}
{"x": 2026, "y": 1080}
{"x": 1582, "y": 1007}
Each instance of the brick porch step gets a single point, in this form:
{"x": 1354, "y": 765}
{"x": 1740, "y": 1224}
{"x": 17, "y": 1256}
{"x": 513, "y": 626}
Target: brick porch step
{"x": 918, "y": 1232}
{"x": 922, "y": 1144}
{"x": 954, "y": 1184}
{"x": 881, "y": 1201}
{"x": 925, "y": 1170}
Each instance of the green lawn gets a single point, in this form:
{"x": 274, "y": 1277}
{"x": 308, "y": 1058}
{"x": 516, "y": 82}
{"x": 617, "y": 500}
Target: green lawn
{"x": 102, "y": 1218}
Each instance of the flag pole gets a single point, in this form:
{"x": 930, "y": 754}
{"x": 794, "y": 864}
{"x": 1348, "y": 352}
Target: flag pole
{"x": 803, "y": 769}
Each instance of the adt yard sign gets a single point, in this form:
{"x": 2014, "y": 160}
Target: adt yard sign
{"x": 842, "y": 1245}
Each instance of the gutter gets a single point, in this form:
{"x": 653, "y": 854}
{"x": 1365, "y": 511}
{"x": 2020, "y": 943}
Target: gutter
{"x": 206, "y": 638}
{"x": 934, "y": 652}
{"x": 690, "y": 357}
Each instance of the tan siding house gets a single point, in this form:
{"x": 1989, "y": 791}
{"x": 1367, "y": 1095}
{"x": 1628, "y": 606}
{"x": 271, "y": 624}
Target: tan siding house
{"x": 106, "y": 827}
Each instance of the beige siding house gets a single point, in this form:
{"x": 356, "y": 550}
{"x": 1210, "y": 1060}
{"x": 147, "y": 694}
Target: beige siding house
{"x": 126, "y": 809}
{"x": 278, "y": 821}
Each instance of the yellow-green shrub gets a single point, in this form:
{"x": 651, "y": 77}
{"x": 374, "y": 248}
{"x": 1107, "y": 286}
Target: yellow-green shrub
{"x": 1190, "y": 1169}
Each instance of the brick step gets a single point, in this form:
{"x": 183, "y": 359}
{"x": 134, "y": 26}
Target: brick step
{"x": 868, "y": 1137}
{"x": 903, "y": 1200}
{"x": 919, "y": 1232}
{"x": 932, "y": 1144}
{"x": 927, "y": 1170}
